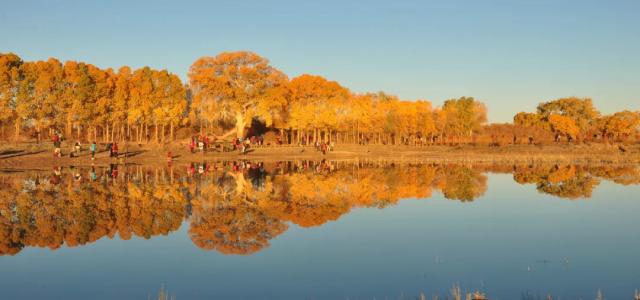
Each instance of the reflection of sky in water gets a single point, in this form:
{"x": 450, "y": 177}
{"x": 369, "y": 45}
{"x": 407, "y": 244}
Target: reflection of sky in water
{"x": 509, "y": 241}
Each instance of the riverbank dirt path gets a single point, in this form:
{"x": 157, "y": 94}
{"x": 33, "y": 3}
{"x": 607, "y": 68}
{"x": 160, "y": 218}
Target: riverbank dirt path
{"x": 40, "y": 157}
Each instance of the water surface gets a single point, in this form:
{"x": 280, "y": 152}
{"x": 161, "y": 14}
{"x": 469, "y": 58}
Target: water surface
{"x": 319, "y": 230}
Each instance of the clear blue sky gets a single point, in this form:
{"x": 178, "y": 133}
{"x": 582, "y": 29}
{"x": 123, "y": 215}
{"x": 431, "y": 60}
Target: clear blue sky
{"x": 509, "y": 54}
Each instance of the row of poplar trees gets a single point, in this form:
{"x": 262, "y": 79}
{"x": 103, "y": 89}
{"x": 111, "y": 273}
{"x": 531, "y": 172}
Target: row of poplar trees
{"x": 83, "y": 101}
{"x": 227, "y": 94}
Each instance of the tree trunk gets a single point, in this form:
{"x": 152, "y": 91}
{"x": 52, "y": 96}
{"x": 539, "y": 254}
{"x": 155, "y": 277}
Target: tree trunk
{"x": 171, "y": 138}
{"x": 240, "y": 125}
{"x": 18, "y": 125}
{"x": 38, "y": 131}
{"x": 68, "y": 130}
{"x": 282, "y": 135}
{"x": 164, "y": 126}
{"x": 315, "y": 135}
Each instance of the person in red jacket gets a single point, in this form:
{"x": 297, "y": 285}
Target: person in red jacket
{"x": 114, "y": 149}
{"x": 192, "y": 145}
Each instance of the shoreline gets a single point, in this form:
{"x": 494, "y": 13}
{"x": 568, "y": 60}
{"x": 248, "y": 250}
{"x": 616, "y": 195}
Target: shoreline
{"x": 40, "y": 157}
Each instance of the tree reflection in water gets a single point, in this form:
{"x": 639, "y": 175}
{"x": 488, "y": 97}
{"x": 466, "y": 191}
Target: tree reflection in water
{"x": 238, "y": 207}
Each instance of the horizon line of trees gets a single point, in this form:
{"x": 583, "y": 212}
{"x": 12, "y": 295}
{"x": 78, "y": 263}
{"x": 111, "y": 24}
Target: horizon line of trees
{"x": 237, "y": 92}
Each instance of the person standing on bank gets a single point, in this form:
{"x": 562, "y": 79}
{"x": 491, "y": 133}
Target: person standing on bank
{"x": 93, "y": 147}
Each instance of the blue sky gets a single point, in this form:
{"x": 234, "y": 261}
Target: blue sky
{"x": 509, "y": 54}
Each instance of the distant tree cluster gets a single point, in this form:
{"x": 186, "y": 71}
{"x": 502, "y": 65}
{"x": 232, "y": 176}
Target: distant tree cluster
{"x": 576, "y": 119}
{"x": 227, "y": 95}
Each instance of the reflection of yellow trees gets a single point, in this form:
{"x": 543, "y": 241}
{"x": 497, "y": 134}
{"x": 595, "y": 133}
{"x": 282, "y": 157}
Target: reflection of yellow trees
{"x": 155, "y": 209}
{"x": 463, "y": 183}
{"x": 625, "y": 175}
{"x": 236, "y": 212}
{"x": 232, "y": 226}
{"x": 580, "y": 186}
{"x": 81, "y": 213}
{"x": 226, "y": 216}
{"x": 234, "y": 216}
{"x": 568, "y": 181}
{"x": 239, "y": 212}
{"x": 312, "y": 202}
{"x": 571, "y": 181}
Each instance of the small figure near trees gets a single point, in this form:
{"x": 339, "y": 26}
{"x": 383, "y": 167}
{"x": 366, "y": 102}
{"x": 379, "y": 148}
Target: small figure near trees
{"x": 192, "y": 145}
{"x": 169, "y": 157}
{"x": 92, "y": 148}
{"x": 56, "y": 144}
{"x": 201, "y": 146}
{"x": 114, "y": 150}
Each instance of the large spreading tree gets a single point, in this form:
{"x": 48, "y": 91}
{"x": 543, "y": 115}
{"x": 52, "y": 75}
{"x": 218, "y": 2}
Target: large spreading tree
{"x": 240, "y": 85}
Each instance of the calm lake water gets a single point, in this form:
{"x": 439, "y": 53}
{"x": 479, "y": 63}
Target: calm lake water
{"x": 320, "y": 230}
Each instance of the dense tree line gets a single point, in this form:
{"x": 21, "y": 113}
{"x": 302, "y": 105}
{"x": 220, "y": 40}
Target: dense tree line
{"x": 84, "y": 101}
{"x": 235, "y": 89}
{"x": 227, "y": 95}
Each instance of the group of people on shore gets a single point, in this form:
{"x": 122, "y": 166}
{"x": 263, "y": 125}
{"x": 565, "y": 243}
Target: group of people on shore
{"x": 202, "y": 143}
{"x": 243, "y": 144}
{"x": 324, "y": 147}
{"x": 76, "y": 149}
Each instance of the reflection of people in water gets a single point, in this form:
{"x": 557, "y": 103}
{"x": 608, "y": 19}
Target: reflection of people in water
{"x": 113, "y": 171}
{"x": 93, "y": 176}
{"x": 77, "y": 177}
{"x": 191, "y": 170}
{"x": 56, "y": 178}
